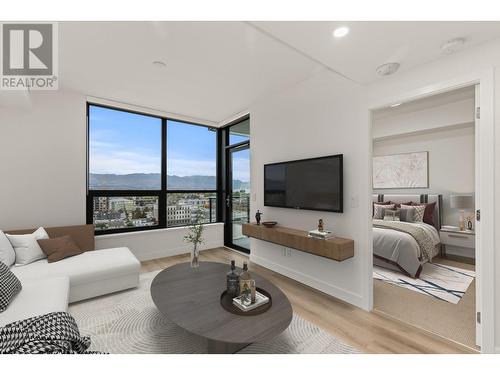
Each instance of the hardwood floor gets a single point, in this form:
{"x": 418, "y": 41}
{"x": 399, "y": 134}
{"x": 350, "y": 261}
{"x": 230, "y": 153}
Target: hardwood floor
{"x": 368, "y": 332}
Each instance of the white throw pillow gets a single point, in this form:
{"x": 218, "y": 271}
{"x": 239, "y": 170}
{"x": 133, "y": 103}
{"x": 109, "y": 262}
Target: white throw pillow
{"x": 26, "y": 248}
{"x": 7, "y": 254}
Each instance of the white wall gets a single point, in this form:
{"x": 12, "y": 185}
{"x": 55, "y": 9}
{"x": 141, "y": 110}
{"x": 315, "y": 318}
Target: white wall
{"x": 451, "y": 163}
{"x": 469, "y": 63}
{"x": 162, "y": 242}
{"x": 321, "y": 116}
{"x": 43, "y": 167}
{"x": 428, "y": 119}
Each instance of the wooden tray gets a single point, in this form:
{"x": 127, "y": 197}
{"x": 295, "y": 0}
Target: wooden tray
{"x": 226, "y": 302}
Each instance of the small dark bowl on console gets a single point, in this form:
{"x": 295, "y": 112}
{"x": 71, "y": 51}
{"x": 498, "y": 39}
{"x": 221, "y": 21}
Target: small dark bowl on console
{"x": 269, "y": 224}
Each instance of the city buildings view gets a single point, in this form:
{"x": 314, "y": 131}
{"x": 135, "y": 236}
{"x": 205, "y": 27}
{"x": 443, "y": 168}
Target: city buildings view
{"x": 115, "y": 212}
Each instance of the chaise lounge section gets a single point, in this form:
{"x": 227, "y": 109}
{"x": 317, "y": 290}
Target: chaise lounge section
{"x": 50, "y": 287}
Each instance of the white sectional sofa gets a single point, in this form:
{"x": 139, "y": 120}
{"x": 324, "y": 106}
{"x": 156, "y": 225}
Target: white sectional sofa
{"x": 50, "y": 287}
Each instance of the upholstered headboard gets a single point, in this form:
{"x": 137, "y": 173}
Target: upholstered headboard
{"x": 417, "y": 198}
{"x": 83, "y": 235}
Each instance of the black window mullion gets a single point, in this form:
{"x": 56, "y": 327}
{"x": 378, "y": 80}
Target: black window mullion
{"x": 162, "y": 202}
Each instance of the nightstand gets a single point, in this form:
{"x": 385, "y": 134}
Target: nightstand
{"x": 465, "y": 239}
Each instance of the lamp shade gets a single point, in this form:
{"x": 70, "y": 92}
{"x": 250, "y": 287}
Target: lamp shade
{"x": 461, "y": 201}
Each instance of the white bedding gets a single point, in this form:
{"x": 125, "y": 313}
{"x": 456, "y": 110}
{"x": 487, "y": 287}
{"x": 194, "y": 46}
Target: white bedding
{"x": 401, "y": 249}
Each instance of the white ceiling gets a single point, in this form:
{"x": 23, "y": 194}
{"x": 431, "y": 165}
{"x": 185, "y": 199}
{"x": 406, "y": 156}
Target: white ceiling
{"x": 213, "y": 69}
{"x": 217, "y": 69}
{"x": 370, "y": 44}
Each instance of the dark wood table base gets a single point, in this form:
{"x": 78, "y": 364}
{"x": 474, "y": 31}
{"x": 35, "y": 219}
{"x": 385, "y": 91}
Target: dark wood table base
{"x": 221, "y": 347}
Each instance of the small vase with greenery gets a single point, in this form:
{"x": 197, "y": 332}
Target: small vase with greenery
{"x": 195, "y": 237}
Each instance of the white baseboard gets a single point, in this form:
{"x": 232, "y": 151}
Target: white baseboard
{"x": 342, "y": 294}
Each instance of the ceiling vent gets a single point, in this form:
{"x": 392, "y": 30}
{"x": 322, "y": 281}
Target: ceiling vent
{"x": 388, "y": 69}
{"x": 451, "y": 46}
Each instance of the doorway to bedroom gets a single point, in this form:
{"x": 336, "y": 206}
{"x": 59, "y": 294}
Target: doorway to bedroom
{"x": 424, "y": 189}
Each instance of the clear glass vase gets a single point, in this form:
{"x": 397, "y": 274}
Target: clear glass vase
{"x": 195, "y": 255}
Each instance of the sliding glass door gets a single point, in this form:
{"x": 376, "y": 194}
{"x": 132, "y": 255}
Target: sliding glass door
{"x": 237, "y": 185}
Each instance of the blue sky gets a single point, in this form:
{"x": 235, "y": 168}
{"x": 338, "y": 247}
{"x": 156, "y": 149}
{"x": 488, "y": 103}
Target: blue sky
{"x": 123, "y": 143}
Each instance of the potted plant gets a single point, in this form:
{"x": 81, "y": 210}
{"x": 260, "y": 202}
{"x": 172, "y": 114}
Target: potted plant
{"x": 194, "y": 237}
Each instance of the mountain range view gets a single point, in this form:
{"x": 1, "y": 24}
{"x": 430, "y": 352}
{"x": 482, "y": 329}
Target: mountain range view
{"x": 152, "y": 181}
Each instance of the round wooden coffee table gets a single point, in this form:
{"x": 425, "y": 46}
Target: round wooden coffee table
{"x": 190, "y": 297}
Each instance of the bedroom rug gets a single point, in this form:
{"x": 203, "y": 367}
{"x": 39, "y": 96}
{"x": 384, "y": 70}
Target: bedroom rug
{"x": 440, "y": 281}
{"x": 129, "y": 322}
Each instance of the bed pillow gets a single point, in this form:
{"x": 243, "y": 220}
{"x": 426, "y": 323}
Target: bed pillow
{"x": 26, "y": 246}
{"x": 378, "y": 210}
{"x": 9, "y": 286}
{"x": 59, "y": 248}
{"x": 407, "y": 214}
{"x": 7, "y": 254}
{"x": 428, "y": 212}
{"x": 379, "y": 203}
{"x": 419, "y": 212}
{"x": 391, "y": 215}
{"x": 398, "y": 205}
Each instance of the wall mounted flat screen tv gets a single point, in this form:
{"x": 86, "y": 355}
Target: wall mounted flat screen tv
{"x": 309, "y": 184}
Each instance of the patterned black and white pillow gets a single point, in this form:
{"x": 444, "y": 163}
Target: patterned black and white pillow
{"x": 9, "y": 286}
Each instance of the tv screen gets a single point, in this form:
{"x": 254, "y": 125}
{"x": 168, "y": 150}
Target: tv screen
{"x": 310, "y": 184}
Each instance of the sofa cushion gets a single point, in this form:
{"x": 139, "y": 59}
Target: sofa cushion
{"x": 91, "y": 268}
{"x": 9, "y": 286}
{"x": 26, "y": 248}
{"x": 7, "y": 254}
{"x": 59, "y": 248}
{"x": 38, "y": 297}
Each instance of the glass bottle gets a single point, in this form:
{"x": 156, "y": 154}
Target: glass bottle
{"x": 233, "y": 281}
{"x": 247, "y": 286}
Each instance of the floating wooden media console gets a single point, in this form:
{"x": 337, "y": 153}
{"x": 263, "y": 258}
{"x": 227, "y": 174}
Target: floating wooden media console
{"x": 333, "y": 248}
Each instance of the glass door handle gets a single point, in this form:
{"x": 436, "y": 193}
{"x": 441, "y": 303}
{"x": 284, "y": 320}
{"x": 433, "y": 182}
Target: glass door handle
{"x": 228, "y": 201}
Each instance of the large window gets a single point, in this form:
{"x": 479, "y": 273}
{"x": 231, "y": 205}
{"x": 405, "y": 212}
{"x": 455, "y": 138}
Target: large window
{"x": 147, "y": 172}
{"x": 191, "y": 157}
{"x": 125, "y": 150}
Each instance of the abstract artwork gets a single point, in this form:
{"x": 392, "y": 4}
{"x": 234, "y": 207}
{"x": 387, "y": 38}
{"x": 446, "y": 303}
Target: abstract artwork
{"x": 401, "y": 171}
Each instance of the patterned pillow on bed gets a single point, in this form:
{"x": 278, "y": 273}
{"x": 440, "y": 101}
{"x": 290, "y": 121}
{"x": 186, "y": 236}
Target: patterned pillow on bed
{"x": 378, "y": 210}
{"x": 418, "y": 217}
{"x": 407, "y": 214}
{"x": 391, "y": 215}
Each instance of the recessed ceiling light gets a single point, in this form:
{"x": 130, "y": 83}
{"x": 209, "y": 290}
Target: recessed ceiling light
{"x": 340, "y": 32}
{"x": 159, "y": 64}
{"x": 395, "y": 105}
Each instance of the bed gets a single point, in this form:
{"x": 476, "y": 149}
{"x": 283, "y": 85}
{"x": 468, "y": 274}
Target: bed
{"x": 406, "y": 246}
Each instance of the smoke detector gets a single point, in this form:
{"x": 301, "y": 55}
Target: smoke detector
{"x": 388, "y": 69}
{"x": 453, "y": 45}
{"x": 159, "y": 64}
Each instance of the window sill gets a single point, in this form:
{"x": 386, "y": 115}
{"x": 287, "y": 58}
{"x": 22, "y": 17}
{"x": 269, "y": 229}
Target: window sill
{"x": 149, "y": 231}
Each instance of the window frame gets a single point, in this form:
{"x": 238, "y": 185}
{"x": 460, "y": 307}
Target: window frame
{"x": 162, "y": 193}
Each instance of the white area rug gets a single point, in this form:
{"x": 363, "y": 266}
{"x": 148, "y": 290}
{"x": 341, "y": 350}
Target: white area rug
{"x": 443, "y": 282}
{"x": 129, "y": 322}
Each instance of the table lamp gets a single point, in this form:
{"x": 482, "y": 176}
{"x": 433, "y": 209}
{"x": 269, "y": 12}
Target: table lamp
{"x": 461, "y": 202}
